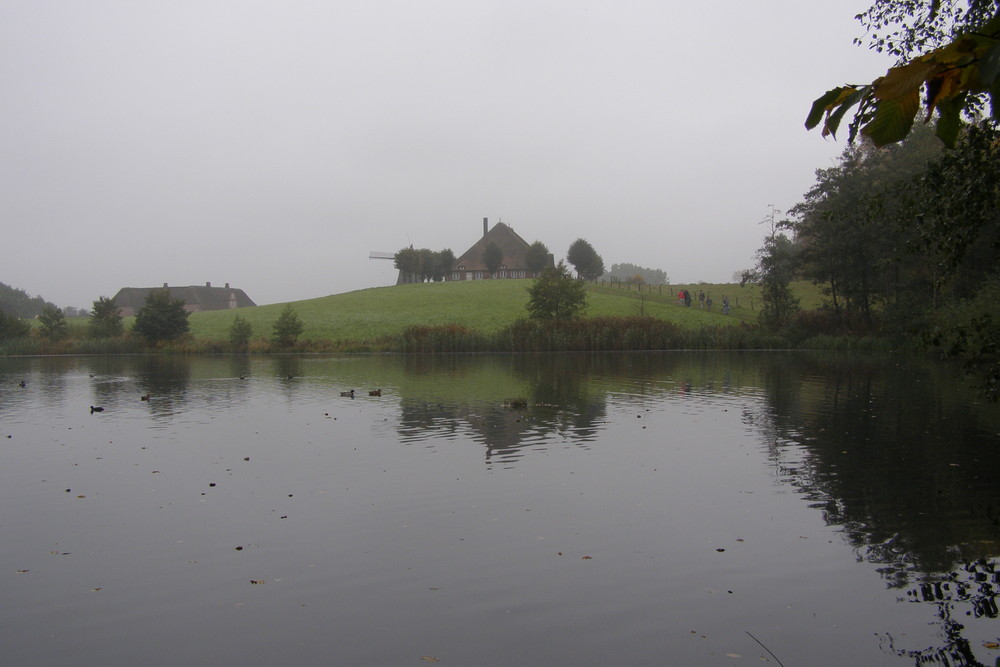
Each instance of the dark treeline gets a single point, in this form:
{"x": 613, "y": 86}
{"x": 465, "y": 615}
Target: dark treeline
{"x": 423, "y": 265}
{"x": 904, "y": 239}
{"x": 634, "y": 273}
{"x": 17, "y": 302}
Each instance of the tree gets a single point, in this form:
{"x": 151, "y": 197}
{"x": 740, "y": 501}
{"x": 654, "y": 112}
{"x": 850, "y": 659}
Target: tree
{"x": 957, "y": 201}
{"x": 53, "y": 321}
{"x": 954, "y": 78}
{"x": 424, "y": 264}
{"x": 23, "y": 305}
{"x": 287, "y": 328}
{"x": 240, "y": 333}
{"x": 492, "y": 257}
{"x": 851, "y": 227}
{"x": 105, "y": 319}
{"x": 556, "y": 295}
{"x": 632, "y": 272}
{"x": 585, "y": 260}
{"x": 775, "y": 270}
{"x": 11, "y": 327}
{"x": 428, "y": 260}
{"x": 537, "y": 257}
{"x": 161, "y": 318}
{"x": 407, "y": 261}
{"x": 443, "y": 261}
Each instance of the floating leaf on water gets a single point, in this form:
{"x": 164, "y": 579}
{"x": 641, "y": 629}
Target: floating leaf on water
{"x": 256, "y": 581}
{"x": 991, "y": 645}
{"x": 587, "y": 558}
{"x": 429, "y": 658}
{"x": 720, "y": 550}
{"x": 22, "y": 571}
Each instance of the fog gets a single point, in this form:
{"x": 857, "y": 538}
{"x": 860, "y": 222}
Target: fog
{"x": 272, "y": 145}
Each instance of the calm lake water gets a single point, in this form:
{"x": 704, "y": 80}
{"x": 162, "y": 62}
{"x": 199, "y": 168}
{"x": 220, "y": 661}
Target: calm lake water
{"x": 643, "y": 509}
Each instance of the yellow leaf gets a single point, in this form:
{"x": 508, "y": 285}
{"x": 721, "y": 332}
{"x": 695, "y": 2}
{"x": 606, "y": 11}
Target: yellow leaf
{"x": 904, "y": 80}
{"x": 944, "y": 87}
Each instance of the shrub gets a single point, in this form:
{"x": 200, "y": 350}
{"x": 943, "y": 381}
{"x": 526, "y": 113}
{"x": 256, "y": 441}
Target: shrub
{"x": 105, "y": 319}
{"x": 556, "y": 295}
{"x": 162, "y": 318}
{"x": 287, "y": 328}
{"x": 240, "y": 333}
{"x": 53, "y": 323}
{"x": 13, "y": 327}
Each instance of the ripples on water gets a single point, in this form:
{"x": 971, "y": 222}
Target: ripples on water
{"x": 642, "y": 509}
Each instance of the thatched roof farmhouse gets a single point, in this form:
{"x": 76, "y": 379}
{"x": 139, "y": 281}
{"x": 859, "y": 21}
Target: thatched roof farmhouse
{"x": 195, "y": 297}
{"x": 470, "y": 265}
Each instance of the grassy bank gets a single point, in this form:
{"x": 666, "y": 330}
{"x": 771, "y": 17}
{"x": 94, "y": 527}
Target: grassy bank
{"x": 470, "y": 316}
{"x": 485, "y": 306}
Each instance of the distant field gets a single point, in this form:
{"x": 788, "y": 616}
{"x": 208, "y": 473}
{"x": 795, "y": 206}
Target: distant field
{"x": 485, "y": 305}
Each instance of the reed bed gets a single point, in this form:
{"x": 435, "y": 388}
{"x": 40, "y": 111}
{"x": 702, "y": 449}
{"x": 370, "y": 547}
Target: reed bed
{"x": 594, "y": 334}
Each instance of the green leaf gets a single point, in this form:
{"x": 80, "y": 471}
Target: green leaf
{"x": 821, "y": 105}
{"x": 833, "y": 122}
{"x": 949, "y": 120}
{"x": 989, "y": 67}
{"x": 893, "y": 119}
{"x": 904, "y": 80}
{"x": 995, "y": 100}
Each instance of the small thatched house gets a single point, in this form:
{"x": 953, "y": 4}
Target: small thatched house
{"x": 195, "y": 297}
{"x": 470, "y": 265}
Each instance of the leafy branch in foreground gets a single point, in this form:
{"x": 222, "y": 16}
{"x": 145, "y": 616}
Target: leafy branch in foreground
{"x": 950, "y": 80}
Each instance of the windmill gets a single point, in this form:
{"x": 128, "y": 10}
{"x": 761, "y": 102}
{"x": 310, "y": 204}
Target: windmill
{"x": 375, "y": 254}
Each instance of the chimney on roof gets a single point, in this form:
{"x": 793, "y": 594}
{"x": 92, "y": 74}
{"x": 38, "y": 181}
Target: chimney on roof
{"x": 164, "y": 286}
{"x": 486, "y": 225}
{"x": 227, "y": 285}
{"x": 208, "y": 284}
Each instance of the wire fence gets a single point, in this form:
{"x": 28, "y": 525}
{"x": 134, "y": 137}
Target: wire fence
{"x": 668, "y": 292}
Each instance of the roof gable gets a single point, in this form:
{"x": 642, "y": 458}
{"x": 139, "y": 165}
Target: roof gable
{"x": 203, "y": 296}
{"x": 514, "y": 248}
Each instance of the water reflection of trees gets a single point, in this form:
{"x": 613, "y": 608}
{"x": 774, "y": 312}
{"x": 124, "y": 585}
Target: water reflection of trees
{"x": 566, "y": 394}
{"x": 884, "y": 450}
{"x": 560, "y": 392}
{"x": 972, "y": 587}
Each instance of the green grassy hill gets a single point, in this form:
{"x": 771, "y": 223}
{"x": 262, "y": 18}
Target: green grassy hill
{"x": 485, "y": 305}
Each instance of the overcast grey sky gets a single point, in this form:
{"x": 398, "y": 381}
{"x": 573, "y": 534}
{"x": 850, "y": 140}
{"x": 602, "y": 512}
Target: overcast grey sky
{"x": 272, "y": 145}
